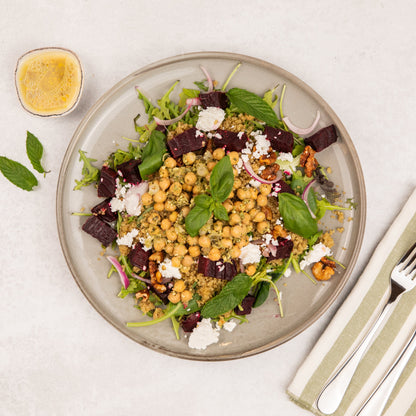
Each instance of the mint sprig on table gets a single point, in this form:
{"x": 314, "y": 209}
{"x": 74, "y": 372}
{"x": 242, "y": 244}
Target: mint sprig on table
{"x": 221, "y": 184}
{"x": 19, "y": 174}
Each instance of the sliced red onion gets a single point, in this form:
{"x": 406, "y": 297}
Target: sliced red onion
{"x": 193, "y": 101}
{"x": 209, "y": 79}
{"x": 172, "y": 120}
{"x": 123, "y": 277}
{"x": 143, "y": 279}
{"x": 299, "y": 130}
{"x": 250, "y": 171}
{"x": 305, "y": 196}
{"x": 272, "y": 248}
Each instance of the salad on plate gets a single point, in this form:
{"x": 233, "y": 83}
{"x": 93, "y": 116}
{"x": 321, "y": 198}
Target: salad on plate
{"x": 218, "y": 198}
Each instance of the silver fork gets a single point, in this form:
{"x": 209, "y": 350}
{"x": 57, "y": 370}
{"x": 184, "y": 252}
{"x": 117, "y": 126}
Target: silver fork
{"x": 402, "y": 280}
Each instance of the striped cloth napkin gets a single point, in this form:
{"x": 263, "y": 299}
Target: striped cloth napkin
{"x": 352, "y": 321}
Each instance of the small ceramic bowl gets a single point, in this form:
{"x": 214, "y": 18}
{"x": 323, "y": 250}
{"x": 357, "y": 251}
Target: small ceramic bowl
{"x": 49, "y": 81}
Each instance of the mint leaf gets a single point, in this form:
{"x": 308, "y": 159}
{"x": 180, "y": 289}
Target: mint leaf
{"x": 196, "y": 219}
{"x": 153, "y": 152}
{"x": 34, "y": 150}
{"x": 230, "y": 296}
{"x": 296, "y": 215}
{"x": 250, "y": 103}
{"x": 17, "y": 174}
{"x": 221, "y": 181}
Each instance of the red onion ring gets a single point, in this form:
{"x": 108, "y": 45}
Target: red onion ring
{"x": 123, "y": 277}
{"x": 209, "y": 79}
{"x": 173, "y": 120}
{"x": 299, "y": 130}
{"x": 250, "y": 171}
{"x": 193, "y": 101}
{"x": 305, "y": 194}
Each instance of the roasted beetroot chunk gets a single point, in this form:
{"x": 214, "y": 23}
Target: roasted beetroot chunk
{"x": 189, "y": 322}
{"x": 246, "y": 304}
{"x": 283, "y": 250}
{"x": 107, "y": 184}
{"x": 218, "y": 269}
{"x": 214, "y": 99}
{"x": 129, "y": 171}
{"x": 188, "y": 141}
{"x": 139, "y": 257}
{"x": 103, "y": 211}
{"x": 232, "y": 141}
{"x": 322, "y": 138}
{"x": 280, "y": 140}
{"x": 99, "y": 230}
{"x": 282, "y": 186}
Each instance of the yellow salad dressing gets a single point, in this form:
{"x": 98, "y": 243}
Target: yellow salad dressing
{"x": 49, "y": 81}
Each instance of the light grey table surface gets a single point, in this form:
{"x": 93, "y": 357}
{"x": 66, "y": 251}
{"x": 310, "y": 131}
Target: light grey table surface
{"x": 57, "y": 355}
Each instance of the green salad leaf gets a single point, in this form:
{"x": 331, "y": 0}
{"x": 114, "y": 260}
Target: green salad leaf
{"x": 187, "y": 93}
{"x": 153, "y": 152}
{"x": 17, "y": 174}
{"x": 34, "y": 150}
{"x": 89, "y": 172}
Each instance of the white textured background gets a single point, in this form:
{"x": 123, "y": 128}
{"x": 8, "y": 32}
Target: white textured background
{"x": 57, "y": 355}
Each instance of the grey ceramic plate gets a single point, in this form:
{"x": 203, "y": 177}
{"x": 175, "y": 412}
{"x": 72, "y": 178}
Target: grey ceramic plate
{"x": 102, "y": 129}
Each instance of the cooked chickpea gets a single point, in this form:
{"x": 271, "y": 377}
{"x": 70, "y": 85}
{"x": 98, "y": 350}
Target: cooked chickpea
{"x": 210, "y": 165}
{"x": 228, "y": 205}
{"x": 164, "y": 183}
{"x": 163, "y": 172}
{"x": 186, "y": 296}
{"x": 189, "y": 158}
{"x": 174, "y": 297}
{"x": 234, "y": 219}
{"x": 245, "y": 218}
{"x": 208, "y": 176}
{"x": 197, "y": 189}
{"x": 237, "y": 231}
{"x": 185, "y": 211}
{"x": 173, "y": 215}
{"x": 176, "y": 261}
{"x": 253, "y": 212}
{"x": 259, "y": 217}
{"x": 234, "y": 157}
{"x": 159, "y": 196}
{"x": 170, "y": 162}
{"x": 169, "y": 248}
{"x": 226, "y": 231}
{"x": 249, "y": 204}
{"x": 235, "y": 172}
{"x": 253, "y": 192}
{"x": 194, "y": 251}
{"x": 179, "y": 286}
{"x": 218, "y": 226}
{"x": 165, "y": 224}
{"x": 180, "y": 250}
{"x": 239, "y": 206}
{"x": 235, "y": 252}
{"x": 214, "y": 254}
{"x": 170, "y": 206}
{"x": 175, "y": 188}
{"x": 265, "y": 189}
{"x": 202, "y": 171}
{"x": 159, "y": 206}
{"x": 190, "y": 178}
{"x": 231, "y": 195}
{"x": 218, "y": 154}
{"x": 204, "y": 241}
{"x": 147, "y": 199}
{"x": 250, "y": 269}
{"x": 153, "y": 188}
{"x": 262, "y": 200}
{"x": 187, "y": 188}
{"x": 192, "y": 241}
{"x": 243, "y": 193}
{"x": 181, "y": 238}
{"x": 159, "y": 244}
{"x": 243, "y": 242}
{"x": 171, "y": 234}
{"x": 226, "y": 242}
{"x": 187, "y": 261}
{"x": 153, "y": 218}
{"x": 237, "y": 183}
{"x": 263, "y": 227}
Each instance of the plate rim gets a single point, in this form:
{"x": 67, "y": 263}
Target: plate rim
{"x": 236, "y": 57}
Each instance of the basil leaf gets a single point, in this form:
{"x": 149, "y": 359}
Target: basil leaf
{"x": 250, "y": 103}
{"x": 34, "y": 150}
{"x": 17, "y": 174}
{"x": 203, "y": 200}
{"x": 220, "y": 212}
{"x": 196, "y": 219}
{"x": 153, "y": 152}
{"x": 296, "y": 215}
{"x": 230, "y": 296}
{"x": 221, "y": 181}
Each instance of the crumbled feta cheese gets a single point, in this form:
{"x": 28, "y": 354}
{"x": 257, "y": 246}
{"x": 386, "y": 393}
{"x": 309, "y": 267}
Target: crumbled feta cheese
{"x": 250, "y": 254}
{"x": 167, "y": 270}
{"x": 203, "y": 335}
{"x": 240, "y": 134}
{"x": 199, "y": 134}
{"x": 254, "y": 183}
{"x": 315, "y": 254}
{"x": 229, "y": 325}
{"x": 287, "y": 272}
{"x": 279, "y": 221}
{"x": 146, "y": 244}
{"x": 210, "y": 119}
{"x": 127, "y": 240}
{"x": 285, "y": 156}
{"x": 262, "y": 146}
{"x": 127, "y": 198}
